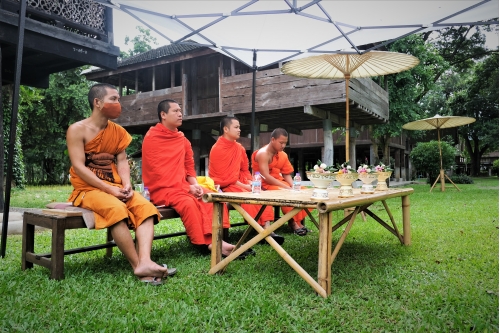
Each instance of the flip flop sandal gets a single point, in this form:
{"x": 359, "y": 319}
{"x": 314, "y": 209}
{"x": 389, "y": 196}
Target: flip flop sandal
{"x": 155, "y": 281}
{"x": 301, "y": 231}
{"x": 170, "y": 271}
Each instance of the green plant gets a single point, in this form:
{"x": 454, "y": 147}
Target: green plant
{"x": 494, "y": 168}
{"x": 425, "y": 157}
{"x": 460, "y": 179}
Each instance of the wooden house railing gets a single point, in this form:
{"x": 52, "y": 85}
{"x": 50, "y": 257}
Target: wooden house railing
{"x": 83, "y": 17}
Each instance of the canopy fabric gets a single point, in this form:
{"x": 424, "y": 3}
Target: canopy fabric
{"x": 340, "y": 66}
{"x": 438, "y": 122}
{"x": 290, "y": 29}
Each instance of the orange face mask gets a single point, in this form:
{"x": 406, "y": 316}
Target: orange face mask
{"x": 111, "y": 110}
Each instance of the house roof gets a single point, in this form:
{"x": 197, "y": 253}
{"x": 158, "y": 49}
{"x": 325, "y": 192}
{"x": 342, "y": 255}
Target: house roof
{"x": 163, "y": 51}
{"x": 160, "y": 52}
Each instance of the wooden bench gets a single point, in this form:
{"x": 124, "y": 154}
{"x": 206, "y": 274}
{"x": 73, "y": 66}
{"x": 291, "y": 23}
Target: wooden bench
{"x": 54, "y": 260}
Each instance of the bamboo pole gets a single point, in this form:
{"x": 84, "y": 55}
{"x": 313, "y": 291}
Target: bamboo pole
{"x": 347, "y": 129}
{"x": 324, "y": 252}
{"x": 405, "y": 202}
{"x": 217, "y": 228}
{"x": 344, "y": 235}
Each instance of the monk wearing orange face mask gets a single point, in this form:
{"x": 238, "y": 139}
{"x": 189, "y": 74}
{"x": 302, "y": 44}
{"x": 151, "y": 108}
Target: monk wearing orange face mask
{"x": 100, "y": 175}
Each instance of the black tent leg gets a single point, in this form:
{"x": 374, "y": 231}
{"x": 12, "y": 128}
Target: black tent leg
{"x": 13, "y": 123}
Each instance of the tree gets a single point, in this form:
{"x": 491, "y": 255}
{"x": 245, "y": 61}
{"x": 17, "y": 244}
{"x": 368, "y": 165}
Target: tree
{"x": 406, "y": 87}
{"x": 18, "y": 162}
{"x": 425, "y": 157}
{"x": 477, "y": 96}
{"x": 443, "y": 51}
{"x": 46, "y": 118}
{"x": 140, "y": 43}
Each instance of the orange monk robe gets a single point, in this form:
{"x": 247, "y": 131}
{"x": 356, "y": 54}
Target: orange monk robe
{"x": 228, "y": 163}
{"x": 279, "y": 166}
{"x": 108, "y": 209}
{"x": 167, "y": 160}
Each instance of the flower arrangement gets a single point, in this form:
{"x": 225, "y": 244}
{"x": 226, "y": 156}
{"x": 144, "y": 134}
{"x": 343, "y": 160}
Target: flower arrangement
{"x": 366, "y": 169}
{"x": 345, "y": 168}
{"x": 321, "y": 167}
{"x": 381, "y": 167}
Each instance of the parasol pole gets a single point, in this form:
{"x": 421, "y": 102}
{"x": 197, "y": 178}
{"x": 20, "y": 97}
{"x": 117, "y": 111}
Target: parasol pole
{"x": 347, "y": 76}
{"x": 441, "y": 171}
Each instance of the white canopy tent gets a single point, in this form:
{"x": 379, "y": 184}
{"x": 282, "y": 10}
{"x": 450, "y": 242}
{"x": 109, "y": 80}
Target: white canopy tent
{"x": 281, "y": 30}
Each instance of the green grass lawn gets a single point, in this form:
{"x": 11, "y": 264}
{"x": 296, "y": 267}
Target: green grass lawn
{"x": 446, "y": 281}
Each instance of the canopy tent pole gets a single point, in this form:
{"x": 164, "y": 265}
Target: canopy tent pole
{"x": 13, "y": 123}
{"x": 2, "y": 151}
{"x": 252, "y": 122}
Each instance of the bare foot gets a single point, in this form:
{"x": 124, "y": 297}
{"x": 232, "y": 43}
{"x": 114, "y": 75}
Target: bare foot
{"x": 149, "y": 269}
{"x": 226, "y": 248}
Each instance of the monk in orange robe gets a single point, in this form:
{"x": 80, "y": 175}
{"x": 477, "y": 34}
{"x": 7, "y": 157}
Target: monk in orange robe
{"x": 100, "y": 175}
{"x": 168, "y": 172}
{"x": 275, "y": 168}
{"x": 228, "y": 167}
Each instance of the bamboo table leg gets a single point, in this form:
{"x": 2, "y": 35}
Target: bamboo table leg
{"x": 405, "y": 202}
{"x": 217, "y": 233}
{"x": 324, "y": 253}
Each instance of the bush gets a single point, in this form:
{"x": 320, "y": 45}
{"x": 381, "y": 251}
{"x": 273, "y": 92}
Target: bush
{"x": 425, "y": 157}
{"x": 494, "y": 168}
{"x": 460, "y": 179}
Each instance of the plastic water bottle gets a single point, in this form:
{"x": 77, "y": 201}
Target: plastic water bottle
{"x": 297, "y": 182}
{"x": 145, "y": 194}
{"x": 256, "y": 183}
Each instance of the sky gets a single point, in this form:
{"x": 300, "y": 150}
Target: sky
{"x": 125, "y": 25}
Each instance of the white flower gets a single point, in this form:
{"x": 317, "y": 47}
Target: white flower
{"x": 323, "y": 166}
{"x": 368, "y": 170}
{"x": 348, "y": 167}
{"x": 316, "y": 167}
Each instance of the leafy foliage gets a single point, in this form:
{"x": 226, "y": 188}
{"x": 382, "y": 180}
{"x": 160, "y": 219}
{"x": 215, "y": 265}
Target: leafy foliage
{"x": 47, "y": 115}
{"x": 460, "y": 179}
{"x": 140, "y": 43}
{"x": 476, "y": 95}
{"x": 425, "y": 157}
{"x": 18, "y": 162}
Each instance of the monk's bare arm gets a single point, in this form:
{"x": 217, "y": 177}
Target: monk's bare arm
{"x": 123, "y": 170}
{"x": 75, "y": 143}
{"x": 262, "y": 158}
{"x": 288, "y": 179}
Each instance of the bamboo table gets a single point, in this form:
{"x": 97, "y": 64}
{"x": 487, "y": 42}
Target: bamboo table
{"x": 300, "y": 200}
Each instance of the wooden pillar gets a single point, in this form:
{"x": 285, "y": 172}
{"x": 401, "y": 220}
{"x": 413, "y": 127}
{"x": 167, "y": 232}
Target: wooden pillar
{"x": 120, "y": 87}
{"x": 194, "y": 86}
{"x": 172, "y": 75}
{"x": 256, "y": 134}
{"x": 136, "y": 81}
{"x": 196, "y": 149}
{"x": 233, "y": 70}
{"x": 2, "y": 140}
{"x": 185, "y": 106}
{"x": 301, "y": 163}
{"x": 153, "y": 79}
{"x": 352, "y": 147}
{"x": 372, "y": 154}
{"x": 397, "y": 164}
{"x": 221, "y": 77}
{"x": 327, "y": 157}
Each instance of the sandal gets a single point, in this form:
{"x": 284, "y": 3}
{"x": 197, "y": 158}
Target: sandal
{"x": 155, "y": 281}
{"x": 170, "y": 271}
{"x": 301, "y": 231}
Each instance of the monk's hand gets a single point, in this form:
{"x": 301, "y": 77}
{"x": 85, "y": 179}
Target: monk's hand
{"x": 196, "y": 190}
{"x": 127, "y": 191}
{"x": 116, "y": 192}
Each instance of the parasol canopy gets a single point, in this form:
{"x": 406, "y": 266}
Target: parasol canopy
{"x": 350, "y": 65}
{"x": 438, "y": 122}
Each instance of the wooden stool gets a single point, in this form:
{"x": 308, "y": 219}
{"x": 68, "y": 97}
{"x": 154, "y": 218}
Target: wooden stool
{"x": 54, "y": 260}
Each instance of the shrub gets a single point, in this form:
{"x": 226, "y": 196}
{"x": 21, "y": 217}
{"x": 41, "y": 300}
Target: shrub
{"x": 460, "y": 179}
{"x": 425, "y": 157}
